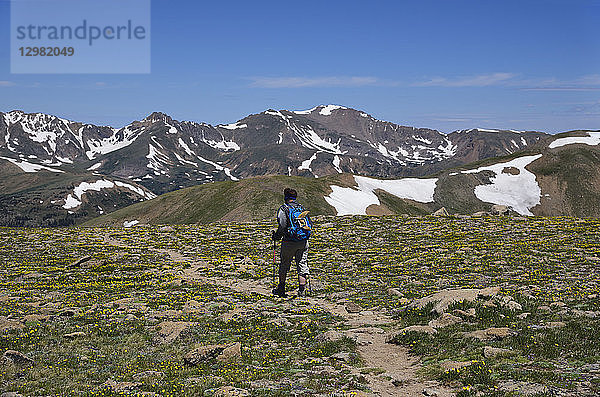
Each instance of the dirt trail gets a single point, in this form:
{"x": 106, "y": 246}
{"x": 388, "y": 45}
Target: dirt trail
{"x": 376, "y": 353}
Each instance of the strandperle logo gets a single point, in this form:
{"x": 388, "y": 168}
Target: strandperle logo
{"x": 84, "y": 31}
{"x": 80, "y": 36}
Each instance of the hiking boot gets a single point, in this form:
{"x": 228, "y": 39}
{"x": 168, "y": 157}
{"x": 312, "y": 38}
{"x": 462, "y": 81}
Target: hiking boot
{"x": 302, "y": 290}
{"x": 279, "y": 293}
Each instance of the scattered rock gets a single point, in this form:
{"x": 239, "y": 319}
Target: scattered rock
{"x": 441, "y": 212}
{"x": 498, "y": 209}
{"x": 42, "y": 318}
{"x": 585, "y": 313}
{"x": 223, "y": 352}
{"x": 121, "y": 387}
{"x": 450, "y": 365}
{"x": 479, "y": 214}
{"x": 352, "y": 307}
{"x": 413, "y": 328}
{"x": 11, "y": 394}
{"x": 230, "y": 391}
{"x": 342, "y": 356}
{"x": 168, "y": 331}
{"x": 491, "y": 352}
{"x": 430, "y": 392}
{"x": 10, "y": 325}
{"x": 557, "y": 305}
{"x": 490, "y": 333}
{"x": 523, "y": 316}
{"x": 80, "y": 262}
{"x": 445, "y": 320}
{"x": 74, "y": 335}
{"x": 524, "y": 388}
{"x": 395, "y": 291}
{"x": 193, "y": 307}
{"x": 469, "y": 313}
{"x": 544, "y": 308}
{"x": 17, "y": 358}
{"x": 515, "y": 306}
{"x": 231, "y": 352}
{"x": 447, "y": 297}
{"x": 555, "y": 324}
{"x": 167, "y": 229}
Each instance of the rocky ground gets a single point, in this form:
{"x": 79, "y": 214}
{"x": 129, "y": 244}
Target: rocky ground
{"x": 404, "y": 306}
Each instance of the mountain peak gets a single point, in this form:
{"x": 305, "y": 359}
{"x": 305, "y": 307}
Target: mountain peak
{"x": 159, "y": 116}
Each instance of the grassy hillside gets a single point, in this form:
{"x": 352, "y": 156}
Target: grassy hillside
{"x": 249, "y": 199}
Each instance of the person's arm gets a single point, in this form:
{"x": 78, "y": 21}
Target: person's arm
{"x": 283, "y": 224}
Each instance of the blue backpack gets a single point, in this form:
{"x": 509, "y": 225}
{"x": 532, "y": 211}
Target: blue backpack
{"x": 299, "y": 224}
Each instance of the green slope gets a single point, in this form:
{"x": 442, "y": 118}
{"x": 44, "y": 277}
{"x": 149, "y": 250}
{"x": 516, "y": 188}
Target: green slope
{"x": 248, "y": 199}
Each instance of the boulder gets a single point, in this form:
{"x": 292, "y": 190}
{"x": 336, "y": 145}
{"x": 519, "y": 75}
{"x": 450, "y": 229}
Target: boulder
{"x": 223, "y": 352}
{"x": 17, "y": 358}
{"x": 413, "y": 328}
{"x": 74, "y": 335}
{"x": 121, "y": 387}
{"x": 498, "y": 209}
{"x": 230, "y": 391}
{"x": 450, "y": 365}
{"x": 447, "y": 297}
{"x": 490, "y": 333}
{"x": 10, "y": 325}
{"x": 445, "y": 320}
{"x": 352, "y": 307}
{"x": 168, "y": 331}
{"x": 491, "y": 352}
{"x": 441, "y": 212}
{"x": 522, "y": 388}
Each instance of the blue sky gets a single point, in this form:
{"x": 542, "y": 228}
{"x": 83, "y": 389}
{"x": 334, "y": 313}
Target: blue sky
{"x": 437, "y": 64}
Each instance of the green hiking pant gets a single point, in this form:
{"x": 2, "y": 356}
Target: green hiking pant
{"x": 297, "y": 250}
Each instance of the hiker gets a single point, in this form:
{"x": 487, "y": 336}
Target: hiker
{"x": 294, "y": 231}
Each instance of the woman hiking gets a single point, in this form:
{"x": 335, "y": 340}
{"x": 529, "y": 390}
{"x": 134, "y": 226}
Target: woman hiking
{"x": 294, "y": 230}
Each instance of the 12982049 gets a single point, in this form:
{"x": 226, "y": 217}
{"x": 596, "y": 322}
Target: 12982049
{"x": 46, "y": 51}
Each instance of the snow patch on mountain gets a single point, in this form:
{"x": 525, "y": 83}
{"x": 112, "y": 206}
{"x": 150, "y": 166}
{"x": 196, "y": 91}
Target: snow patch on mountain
{"x": 94, "y": 167}
{"x": 110, "y": 144}
{"x": 219, "y": 167}
{"x": 310, "y": 139}
{"x": 156, "y": 159}
{"x": 233, "y": 126}
{"x": 592, "y": 139}
{"x": 336, "y": 163}
{"x": 520, "y": 192}
{"x": 74, "y": 200}
{"x": 356, "y": 200}
{"x": 30, "y": 167}
{"x": 326, "y": 111}
{"x": 306, "y": 163}
{"x": 309, "y": 111}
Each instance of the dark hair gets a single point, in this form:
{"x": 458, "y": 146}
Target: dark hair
{"x": 289, "y": 193}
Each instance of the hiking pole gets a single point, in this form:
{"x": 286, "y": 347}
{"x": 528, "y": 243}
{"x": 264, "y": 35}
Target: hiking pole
{"x": 274, "y": 261}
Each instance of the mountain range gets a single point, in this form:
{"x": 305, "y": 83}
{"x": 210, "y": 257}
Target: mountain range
{"x": 57, "y": 172}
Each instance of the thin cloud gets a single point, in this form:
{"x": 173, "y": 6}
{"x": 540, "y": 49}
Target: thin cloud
{"x": 482, "y": 80}
{"x": 589, "y": 82}
{"x": 4, "y": 83}
{"x": 302, "y": 82}
{"x": 560, "y": 88}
